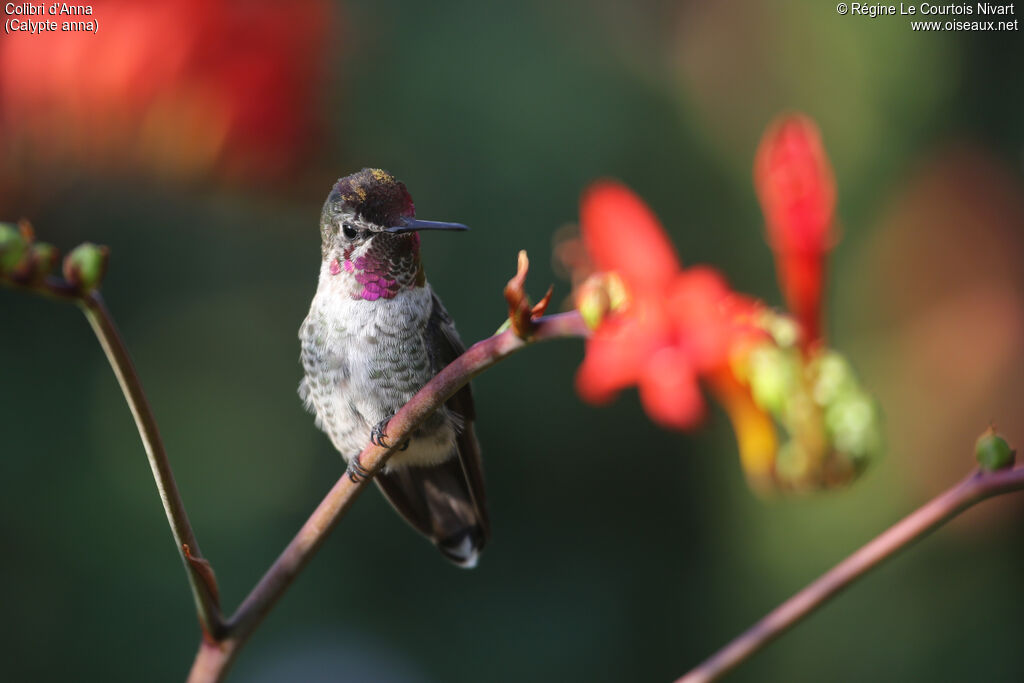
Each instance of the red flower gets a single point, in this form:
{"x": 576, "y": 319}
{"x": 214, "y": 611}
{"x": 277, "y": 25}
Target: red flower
{"x": 179, "y": 87}
{"x": 675, "y": 326}
{"x": 621, "y": 234}
{"x": 796, "y": 187}
{"x": 669, "y": 331}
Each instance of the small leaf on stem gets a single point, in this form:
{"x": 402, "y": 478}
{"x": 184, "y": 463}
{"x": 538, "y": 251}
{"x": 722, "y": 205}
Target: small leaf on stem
{"x": 521, "y": 311}
{"x": 204, "y": 569}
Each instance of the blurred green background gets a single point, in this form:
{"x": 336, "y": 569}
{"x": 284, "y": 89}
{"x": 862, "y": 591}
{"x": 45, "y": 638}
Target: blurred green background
{"x": 621, "y": 552}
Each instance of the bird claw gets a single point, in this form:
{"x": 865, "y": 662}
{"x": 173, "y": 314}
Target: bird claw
{"x": 356, "y": 471}
{"x": 378, "y": 435}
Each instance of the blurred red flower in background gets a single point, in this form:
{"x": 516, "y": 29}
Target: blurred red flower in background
{"x": 673, "y": 325}
{"x": 667, "y": 329}
{"x": 796, "y": 187}
{"x": 174, "y": 87}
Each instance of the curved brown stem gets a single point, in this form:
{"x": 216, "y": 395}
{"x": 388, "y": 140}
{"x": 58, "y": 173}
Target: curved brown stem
{"x": 200, "y": 576}
{"x": 222, "y": 640}
{"x": 974, "y": 489}
{"x": 213, "y": 659}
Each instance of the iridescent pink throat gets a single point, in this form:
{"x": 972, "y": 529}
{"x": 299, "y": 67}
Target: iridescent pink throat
{"x": 382, "y": 272}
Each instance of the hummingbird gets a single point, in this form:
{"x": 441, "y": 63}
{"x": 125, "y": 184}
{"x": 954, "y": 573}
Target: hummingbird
{"x": 374, "y": 335}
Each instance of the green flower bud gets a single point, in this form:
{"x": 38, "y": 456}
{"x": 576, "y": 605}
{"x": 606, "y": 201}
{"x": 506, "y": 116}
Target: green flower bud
{"x": 86, "y": 265}
{"x": 992, "y": 451}
{"x": 783, "y": 329}
{"x": 774, "y": 375}
{"x": 593, "y": 306}
{"x": 833, "y": 377}
{"x": 854, "y": 425}
{"x": 12, "y": 247}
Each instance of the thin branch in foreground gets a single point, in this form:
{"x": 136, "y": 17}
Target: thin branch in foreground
{"x": 214, "y": 658}
{"x": 223, "y": 640}
{"x": 975, "y": 488}
{"x": 198, "y": 570}
{"x": 84, "y": 269}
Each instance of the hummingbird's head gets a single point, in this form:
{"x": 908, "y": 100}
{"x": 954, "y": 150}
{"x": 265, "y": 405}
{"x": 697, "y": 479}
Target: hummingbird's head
{"x": 369, "y": 230}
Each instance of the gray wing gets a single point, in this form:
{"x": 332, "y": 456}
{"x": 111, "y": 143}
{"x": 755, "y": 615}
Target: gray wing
{"x": 441, "y": 330}
{"x": 446, "y": 502}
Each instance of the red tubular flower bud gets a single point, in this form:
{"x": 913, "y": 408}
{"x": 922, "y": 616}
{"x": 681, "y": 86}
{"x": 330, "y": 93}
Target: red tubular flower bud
{"x": 796, "y": 188}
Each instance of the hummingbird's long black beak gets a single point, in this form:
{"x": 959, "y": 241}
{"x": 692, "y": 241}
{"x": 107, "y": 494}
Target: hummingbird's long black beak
{"x": 413, "y": 224}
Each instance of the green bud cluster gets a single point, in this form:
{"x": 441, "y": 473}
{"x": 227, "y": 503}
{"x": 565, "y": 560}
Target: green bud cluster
{"x": 853, "y": 421}
{"x": 834, "y": 426}
{"x": 26, "y": 262}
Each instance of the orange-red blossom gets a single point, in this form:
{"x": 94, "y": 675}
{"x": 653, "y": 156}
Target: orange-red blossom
{"x": 667, "y": 329}
{"x": 671, "y": 327}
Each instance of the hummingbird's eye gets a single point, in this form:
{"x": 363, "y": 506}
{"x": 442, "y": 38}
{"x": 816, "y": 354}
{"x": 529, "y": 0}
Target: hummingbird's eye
{"x": 349, "y": 231}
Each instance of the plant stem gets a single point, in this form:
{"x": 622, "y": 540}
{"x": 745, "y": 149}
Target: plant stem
{"x": 976, "y": 487}
{"x": 204, "y": 590}
{"x": 222, "y": 640}
{"x": 213, "y": 659}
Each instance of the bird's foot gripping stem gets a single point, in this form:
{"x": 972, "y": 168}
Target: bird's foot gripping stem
{"x": 356, "y": 471}
{"x": 378, "y": 435}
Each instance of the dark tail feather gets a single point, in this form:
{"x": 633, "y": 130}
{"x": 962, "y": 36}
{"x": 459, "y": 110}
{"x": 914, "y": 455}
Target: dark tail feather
{"x": 444, "y": 503}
